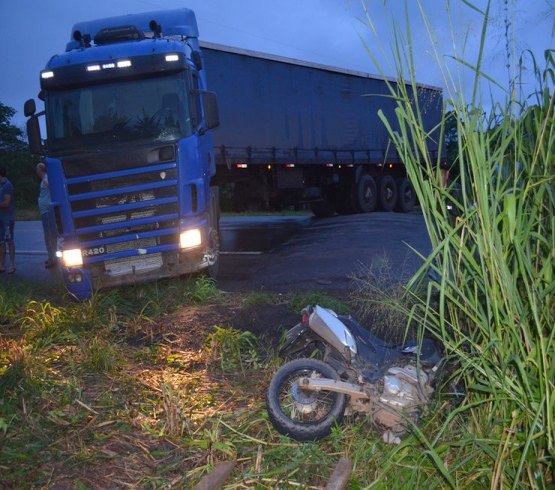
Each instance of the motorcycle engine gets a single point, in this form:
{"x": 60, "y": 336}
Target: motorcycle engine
{"x": 404, "y": 389}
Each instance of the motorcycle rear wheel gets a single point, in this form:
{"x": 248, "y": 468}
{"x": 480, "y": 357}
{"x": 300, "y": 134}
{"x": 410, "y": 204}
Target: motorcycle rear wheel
{"x": 303, "y": 415}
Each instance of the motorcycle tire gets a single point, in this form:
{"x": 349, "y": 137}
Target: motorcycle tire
{"x": 313, "y": 413}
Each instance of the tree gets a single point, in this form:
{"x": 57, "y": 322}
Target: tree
{"x": 10, "y": 135}
{"x": 15, "y": 156}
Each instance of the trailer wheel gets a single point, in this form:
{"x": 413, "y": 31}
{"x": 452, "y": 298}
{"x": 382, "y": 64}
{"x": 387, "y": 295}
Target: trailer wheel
{"x": 387, "y": 192}
{"x": 322, "y": 209}
{"x": 364, "y": 194}
{"x": 406, "y": 197}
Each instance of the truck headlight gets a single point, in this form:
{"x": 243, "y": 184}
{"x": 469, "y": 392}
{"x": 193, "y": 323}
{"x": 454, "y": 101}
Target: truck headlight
{"x": 190, "y": 238}
{"x": 72, "y": 258}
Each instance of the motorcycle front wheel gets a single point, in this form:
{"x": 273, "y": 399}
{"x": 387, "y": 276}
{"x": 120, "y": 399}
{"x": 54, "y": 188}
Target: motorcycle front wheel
{"x": 301, "y": 414}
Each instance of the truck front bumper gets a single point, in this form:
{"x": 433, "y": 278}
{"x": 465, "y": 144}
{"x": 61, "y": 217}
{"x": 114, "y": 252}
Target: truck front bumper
{"x": 82, "y": 281}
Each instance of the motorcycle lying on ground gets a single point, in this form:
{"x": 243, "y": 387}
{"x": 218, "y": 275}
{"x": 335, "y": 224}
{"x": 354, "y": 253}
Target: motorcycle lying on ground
{"x": 389, "y": 382}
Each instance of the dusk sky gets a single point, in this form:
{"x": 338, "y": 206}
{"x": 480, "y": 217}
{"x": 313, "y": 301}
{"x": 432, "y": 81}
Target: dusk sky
{"x": 331, "y": 32}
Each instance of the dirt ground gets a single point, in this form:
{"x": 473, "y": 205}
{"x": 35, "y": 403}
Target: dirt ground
{"x": 187, "y": 327}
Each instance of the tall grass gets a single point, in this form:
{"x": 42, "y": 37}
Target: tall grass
{"x": 492, "y": 302}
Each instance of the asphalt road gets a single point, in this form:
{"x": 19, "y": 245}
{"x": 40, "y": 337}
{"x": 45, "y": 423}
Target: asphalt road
{"x": 328, "y": 253}
{"x": 281, "y": 253}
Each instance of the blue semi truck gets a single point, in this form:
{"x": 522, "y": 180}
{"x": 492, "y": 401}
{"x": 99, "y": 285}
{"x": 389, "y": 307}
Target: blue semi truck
{"x": 129, "y": 152}
{"x": 138, "y": 148}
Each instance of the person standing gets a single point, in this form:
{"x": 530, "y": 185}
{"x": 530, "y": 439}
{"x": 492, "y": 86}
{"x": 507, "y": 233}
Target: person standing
{"x": 45, "y": 216}
{"x": 7, "y": 221}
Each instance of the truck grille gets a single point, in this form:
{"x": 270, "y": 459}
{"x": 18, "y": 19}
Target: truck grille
{"x": 104, "y": 207}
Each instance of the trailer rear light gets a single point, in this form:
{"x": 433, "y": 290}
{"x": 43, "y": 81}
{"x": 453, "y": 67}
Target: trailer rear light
{"x": 72, "y": 257}
{"x": 241, "y": 165}
{"x": 329, "y": 164}
{"x": 172, "y": 57}
{"x": 47, "y": 74}
{"x": 290, "y": 165}
{"x": 190, "y": 238}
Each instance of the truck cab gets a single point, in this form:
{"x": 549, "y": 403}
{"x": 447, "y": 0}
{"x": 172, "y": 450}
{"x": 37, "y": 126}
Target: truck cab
{"x": 129, "y": 151}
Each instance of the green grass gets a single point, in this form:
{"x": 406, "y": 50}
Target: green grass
{"x": 301, "y": 299}
{"x": 232, "y": 349}
{"x": 96, "y": 388}
{"x": 107, "y": 387}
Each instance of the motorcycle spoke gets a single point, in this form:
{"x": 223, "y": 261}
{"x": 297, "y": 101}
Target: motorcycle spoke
{"x": 306, "y": 406}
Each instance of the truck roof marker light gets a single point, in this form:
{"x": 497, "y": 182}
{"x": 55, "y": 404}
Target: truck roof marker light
{"x": 390, "y": 165}
{"x": 269, "y": 167}
{"x": 47, "y": 74}
{"x": 172, "y": 57}
{"x": 290, "y": 165}
{"x": 107, "y": 66}
{"x": 124, "y": 63}
{"x": 93, "y": 68}
{"x": 241, "y": 165}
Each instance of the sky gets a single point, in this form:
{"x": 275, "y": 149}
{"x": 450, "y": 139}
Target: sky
{"x": 332, "y": 32}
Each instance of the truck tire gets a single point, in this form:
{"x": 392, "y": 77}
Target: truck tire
{"x": 406, "y": 197}
{"x": 387, "y": 191}
{"x": 322, "y": 209}
{"x": 364, "y": 194}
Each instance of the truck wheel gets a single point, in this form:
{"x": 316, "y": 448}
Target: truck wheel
{"x": 322, "y": 209}
{"x": 406, "y": 197}
{"x": 364, "y": 194}
{"x": 387, "y": 192}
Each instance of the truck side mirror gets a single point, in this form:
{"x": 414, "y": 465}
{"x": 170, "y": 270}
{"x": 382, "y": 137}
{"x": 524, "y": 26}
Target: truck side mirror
{"x": 33, "y": 135}
{"x": 211, "y": 115}
{"x": 29, "y": 108}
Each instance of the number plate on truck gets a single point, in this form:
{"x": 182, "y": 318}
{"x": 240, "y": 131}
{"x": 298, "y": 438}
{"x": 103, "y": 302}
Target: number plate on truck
{"x": 128, "y": 265}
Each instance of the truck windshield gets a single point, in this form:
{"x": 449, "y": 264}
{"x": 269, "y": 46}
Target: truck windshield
{"x": 153, "y": 109}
